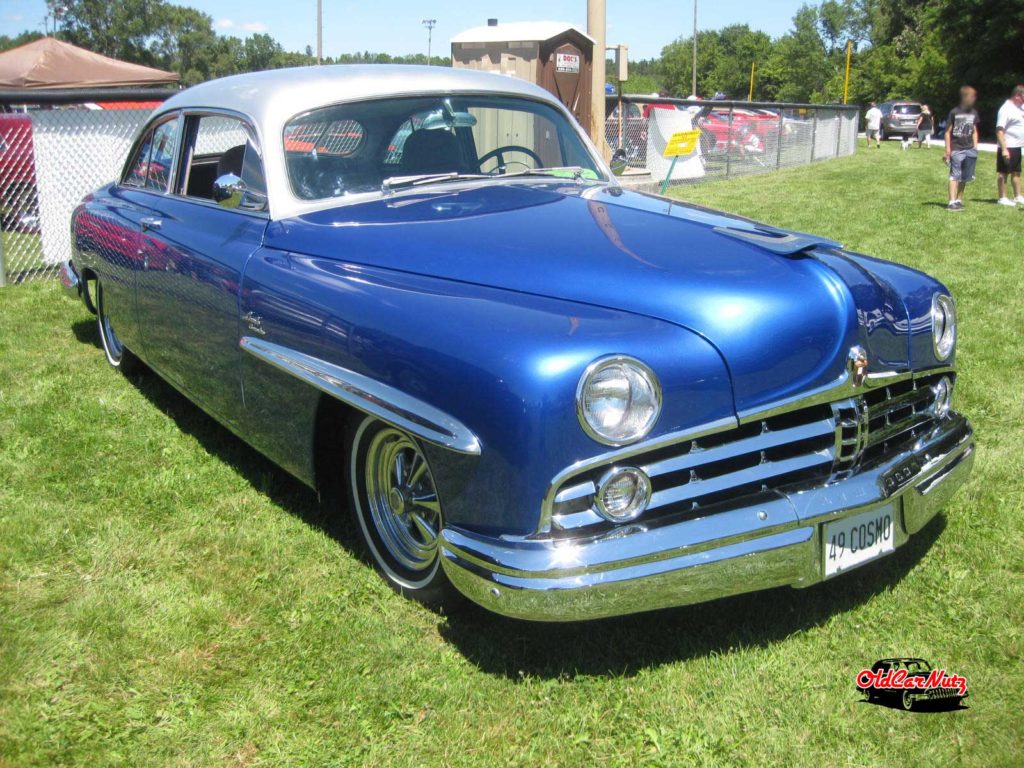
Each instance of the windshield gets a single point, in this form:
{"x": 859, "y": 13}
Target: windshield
{"x": 356, "y": 148}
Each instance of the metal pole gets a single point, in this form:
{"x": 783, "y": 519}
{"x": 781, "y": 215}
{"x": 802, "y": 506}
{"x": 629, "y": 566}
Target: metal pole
{"x": 839, "y": 131}
{"x": 429, "y": 24}
{"x": 319, "y": 31}
{"x": 597, "y": 29}
{"x": 814, "y": 134}
{"x": 778, "y": 143}
{"x": 728, "y": 146}
{"x": 3, "y": 270}
{"x": 753, "y": 69}
{"x": 693, "y": 86}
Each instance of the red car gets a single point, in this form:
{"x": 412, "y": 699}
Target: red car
{"x": 19, "y": 201}
{"x": 749, "y": 131}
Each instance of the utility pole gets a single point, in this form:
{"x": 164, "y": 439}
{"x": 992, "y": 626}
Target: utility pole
{"x": 429, "y": 24}
{"x": 596, "y": 28}
{"x": 319, "y": 31}
{"x": 693, "y": 86}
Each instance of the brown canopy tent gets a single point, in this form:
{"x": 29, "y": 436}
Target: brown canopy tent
{"x": 50, "y": 63}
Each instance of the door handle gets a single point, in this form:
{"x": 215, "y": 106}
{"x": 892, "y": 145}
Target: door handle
{"x": 150, "y": 222}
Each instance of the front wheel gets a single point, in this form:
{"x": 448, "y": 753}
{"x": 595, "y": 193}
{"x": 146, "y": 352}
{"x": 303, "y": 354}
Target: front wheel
{"x": 908, "y": 701}
{"x": 118, "y": 355}
{"x": 395, "y": 502}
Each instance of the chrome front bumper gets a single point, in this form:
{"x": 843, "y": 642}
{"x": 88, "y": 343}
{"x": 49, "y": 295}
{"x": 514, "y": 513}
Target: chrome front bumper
{"x": 69, "y": 280}
{"x": 643, "y": 568}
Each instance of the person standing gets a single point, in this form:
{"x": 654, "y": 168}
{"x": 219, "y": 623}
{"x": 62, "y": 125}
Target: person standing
{"x": 873, "y": 124}
{"x": 1010, "y": 136}
{"x": 925, "y": 126}
{"x": 961, "y": 146}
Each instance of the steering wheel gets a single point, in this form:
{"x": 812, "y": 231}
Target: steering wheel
{"x": 499, "y": 154}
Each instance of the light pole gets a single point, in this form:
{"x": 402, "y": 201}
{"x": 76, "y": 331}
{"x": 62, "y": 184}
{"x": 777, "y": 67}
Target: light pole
{"x": 429, "y": 24}
{"x": 319, "y": 31}
{"x": 693, "y": 86}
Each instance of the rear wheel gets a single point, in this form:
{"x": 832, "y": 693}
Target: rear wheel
{"x": 118, "y": 355}
{"x": 398, "y": 511}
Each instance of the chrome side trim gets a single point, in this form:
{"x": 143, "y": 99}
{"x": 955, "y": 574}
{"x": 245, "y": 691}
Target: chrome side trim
{"x": 368, "y": 395}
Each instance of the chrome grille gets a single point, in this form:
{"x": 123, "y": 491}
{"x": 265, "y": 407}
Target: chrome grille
{"x": 806, "y": 447}
{"x": 719, "y": 470}
{"x": 898, "y": 414}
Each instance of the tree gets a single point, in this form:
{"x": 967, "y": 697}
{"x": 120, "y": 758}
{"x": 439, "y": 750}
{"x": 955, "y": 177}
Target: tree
{"x": 23, "y": 38}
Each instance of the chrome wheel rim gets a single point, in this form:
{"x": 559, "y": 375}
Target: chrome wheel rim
{"x": 402, "y": 500}
{"x": 111, "y": 344}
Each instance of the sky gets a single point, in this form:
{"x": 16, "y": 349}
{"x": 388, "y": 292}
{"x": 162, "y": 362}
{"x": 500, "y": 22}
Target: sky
{"x": 395, "y": 28}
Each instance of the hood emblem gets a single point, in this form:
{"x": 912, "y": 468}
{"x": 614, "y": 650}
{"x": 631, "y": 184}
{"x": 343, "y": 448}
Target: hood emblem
{"x": 857, "y": 364}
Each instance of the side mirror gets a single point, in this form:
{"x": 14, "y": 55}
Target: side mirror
{"x": 228, "y": 190}
{"x": 618, "y": 163}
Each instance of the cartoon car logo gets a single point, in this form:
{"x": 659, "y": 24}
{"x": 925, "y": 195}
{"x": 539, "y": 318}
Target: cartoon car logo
{"x": 906, "y": 682}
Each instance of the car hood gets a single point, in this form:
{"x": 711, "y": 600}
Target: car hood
{"x": 780, "y": 314}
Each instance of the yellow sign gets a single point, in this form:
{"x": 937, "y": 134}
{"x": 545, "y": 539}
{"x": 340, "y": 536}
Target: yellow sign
{"x": 682, "y": 143}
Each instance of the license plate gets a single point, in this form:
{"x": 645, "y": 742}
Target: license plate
{"x": 858, "y": 539}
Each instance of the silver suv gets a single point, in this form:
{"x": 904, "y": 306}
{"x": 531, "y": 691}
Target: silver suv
{"x": 899, "y": 118}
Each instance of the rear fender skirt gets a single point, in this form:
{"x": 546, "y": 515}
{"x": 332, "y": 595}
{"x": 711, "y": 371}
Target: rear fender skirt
{"x": 369, "y": 396}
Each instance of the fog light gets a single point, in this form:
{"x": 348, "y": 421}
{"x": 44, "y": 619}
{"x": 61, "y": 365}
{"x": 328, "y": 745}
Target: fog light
{"x": 623, "y": 494}
{"x": 943, "y": 394}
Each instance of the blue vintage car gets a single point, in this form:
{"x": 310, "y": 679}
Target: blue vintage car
{"x": 422, "y": 292}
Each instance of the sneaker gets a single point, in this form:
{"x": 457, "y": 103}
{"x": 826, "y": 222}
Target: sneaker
{"x": 1019, "y": 199}
{"x": 955, "y": 205}
{"x": 1006, "y": 201}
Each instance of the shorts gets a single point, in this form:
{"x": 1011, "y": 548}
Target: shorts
{"x": 961, "y": 165}
{"x": 873, "y": 133}
{"x": 923, "y": 135}
{"x": 1008, "y": 166}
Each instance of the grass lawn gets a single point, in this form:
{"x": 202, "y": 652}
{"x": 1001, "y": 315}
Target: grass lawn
{"x": 168, "y": 597}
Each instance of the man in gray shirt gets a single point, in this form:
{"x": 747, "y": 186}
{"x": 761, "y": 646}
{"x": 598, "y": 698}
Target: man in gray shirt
{"x": 961, "y": 146}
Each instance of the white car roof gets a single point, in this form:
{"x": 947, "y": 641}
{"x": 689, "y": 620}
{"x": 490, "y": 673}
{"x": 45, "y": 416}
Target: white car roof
{"x": 271, "y": 98}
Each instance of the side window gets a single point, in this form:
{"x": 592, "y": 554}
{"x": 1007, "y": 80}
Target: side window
{"x": 135, "y": 176}
{"x": 150, "y": 167}
{"x": 161, "y": 157}
{"x": 223, "y": 163}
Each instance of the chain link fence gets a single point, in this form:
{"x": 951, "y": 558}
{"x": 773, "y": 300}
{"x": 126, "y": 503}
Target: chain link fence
{"x": 736, "y": 138}
{"x": 54, "y": 151}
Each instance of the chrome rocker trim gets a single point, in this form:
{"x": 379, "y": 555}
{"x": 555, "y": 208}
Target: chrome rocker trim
{"x": 640, "y": 568}
{"x": 368, "y": 395}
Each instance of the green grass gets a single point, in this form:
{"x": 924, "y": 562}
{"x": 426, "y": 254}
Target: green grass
{"x": 167, "y": 597}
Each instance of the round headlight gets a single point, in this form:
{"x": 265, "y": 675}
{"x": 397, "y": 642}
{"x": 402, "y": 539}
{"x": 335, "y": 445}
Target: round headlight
{"x": 943, "y": 325}
{"x": 623, "y": 494}
{"x": 618, "y": 400}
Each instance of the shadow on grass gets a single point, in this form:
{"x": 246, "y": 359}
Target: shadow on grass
{"x": 510, "y": 648}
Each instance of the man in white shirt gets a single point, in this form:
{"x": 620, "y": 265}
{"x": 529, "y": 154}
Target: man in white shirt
{"x": 873, "y": 120}
{"x": 1010, "y": 135}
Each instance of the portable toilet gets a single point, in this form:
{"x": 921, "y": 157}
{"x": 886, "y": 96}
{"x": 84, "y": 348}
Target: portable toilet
{"x": 553, "y": 54}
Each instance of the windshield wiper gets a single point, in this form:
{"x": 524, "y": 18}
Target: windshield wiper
{"x": 392, "y": 183}
{"x": 574, "y": 172}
